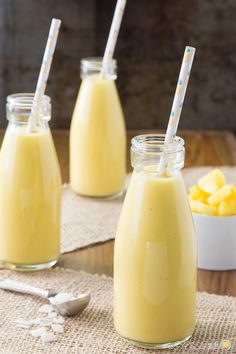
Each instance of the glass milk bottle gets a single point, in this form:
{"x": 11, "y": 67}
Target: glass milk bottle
{"x": 97, "y": 134}
{"x": 30, "y": 189}
{"x": 155, "y": 250}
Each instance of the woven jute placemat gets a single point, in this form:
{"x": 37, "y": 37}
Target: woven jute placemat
{"x": 92, "y": 332}
{"x": 87, "y": 221}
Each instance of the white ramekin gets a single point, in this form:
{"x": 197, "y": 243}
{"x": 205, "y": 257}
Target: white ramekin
{"x": 216, "y": 239}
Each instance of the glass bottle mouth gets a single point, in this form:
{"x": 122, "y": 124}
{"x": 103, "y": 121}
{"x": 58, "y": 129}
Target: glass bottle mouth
{"x": 19, "y": 106}
{"x": 148, "y": 150}
{"x": 155, "y": 143}
{"x": 25, "y": 100}
{"x": 93, "y": 66}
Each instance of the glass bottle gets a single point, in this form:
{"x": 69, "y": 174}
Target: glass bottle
{"x": 97, "y": 134}
{"x": 30, "y": 188}
{"x": 155, "y": 250}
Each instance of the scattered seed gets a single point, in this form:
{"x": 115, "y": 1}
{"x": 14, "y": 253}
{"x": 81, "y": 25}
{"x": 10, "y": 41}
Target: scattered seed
{"x": 46, "y": 308}
{"x": 48, "y": 337}
{"x": 23, "y": 326}
{"x": 59, "y": 319}
{"x": 52, "y": 315}
{"x": 38, "y": 332}
{"x": 45, "y": 321}
{"x": 22, "y": 322}
{"x": 51, "y": 322}
{"x": 57, "y": 328}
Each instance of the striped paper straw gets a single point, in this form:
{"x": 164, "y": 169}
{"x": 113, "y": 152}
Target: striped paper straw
{"x": 113, "y": 34}
{"x": 178, "y": 100}
{"x": 44, "y": 71}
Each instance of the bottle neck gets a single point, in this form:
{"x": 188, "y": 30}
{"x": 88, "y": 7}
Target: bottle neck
{"x": 93, "y": 66}
{"x": 19, "y": 108}
{"x": 148, "y": 151}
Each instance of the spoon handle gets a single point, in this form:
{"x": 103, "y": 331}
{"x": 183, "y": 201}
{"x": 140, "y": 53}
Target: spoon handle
{"x": 16, "y": 286}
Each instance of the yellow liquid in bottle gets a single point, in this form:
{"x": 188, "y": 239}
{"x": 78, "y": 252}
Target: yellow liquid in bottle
{"x": 97, "y": 140}
{"x": 30, "y": 198}
{"x": 155, "y": 262}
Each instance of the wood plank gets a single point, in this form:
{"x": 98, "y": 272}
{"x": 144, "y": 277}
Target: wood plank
{"x": 203, "y": 148}
{"x": 217, "y": 282}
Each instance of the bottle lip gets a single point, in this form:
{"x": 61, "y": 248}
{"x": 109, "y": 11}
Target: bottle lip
{"x": 92, "y": 66}
{"x": 95, "y": 63}
{"x": 25, "y": 100}
{"x": 155, "y": 143}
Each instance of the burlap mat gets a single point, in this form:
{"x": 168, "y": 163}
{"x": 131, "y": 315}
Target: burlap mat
{"x": 87, "y": 221}
{"x": 92, "y": 332}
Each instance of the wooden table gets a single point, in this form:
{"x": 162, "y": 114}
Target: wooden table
{"x": 202, "y": 148}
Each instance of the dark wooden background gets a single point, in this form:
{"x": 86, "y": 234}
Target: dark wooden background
{"x": 151, "y": 43}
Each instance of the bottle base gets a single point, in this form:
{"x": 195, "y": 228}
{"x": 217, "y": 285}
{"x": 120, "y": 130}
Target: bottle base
{"x": 101, "y": 197}
{"x": 28, "y": 267}
{"x": 157, "y": 345}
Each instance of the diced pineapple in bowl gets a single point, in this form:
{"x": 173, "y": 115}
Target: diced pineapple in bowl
{"x": 213, "y": 203}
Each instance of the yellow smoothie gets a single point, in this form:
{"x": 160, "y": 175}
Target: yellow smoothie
{"x": 155, "y": 262}
{"x": 97, "y": 139}
{"x": 30, "y": 197}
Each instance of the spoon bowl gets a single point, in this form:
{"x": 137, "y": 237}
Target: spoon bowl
{"x": 73, "y": 307}
{"x": 66, "y": 308}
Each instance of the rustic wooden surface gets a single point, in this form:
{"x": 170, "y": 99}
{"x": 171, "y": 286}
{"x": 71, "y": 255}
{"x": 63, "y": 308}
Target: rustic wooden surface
{"x": 203, "y": 148}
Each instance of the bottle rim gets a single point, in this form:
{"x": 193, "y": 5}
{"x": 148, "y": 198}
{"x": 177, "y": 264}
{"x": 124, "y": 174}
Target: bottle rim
{"x": 25, "y": 100}
{"x": 95, "y": 63}
{"x": 155, "y": 143}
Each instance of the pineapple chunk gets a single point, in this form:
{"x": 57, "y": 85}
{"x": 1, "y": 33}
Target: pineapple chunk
{"x": 202, "y": 208}
{"x": 212, "y": 196}
{"x": 213, "y": 181}
{"x": 227, "y": 207}
{"x": 233, "y": 192}
{"x": 220, "y": 195}
{"x": 195, "y": 192}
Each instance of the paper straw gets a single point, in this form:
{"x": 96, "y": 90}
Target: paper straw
{"x": 44, "y": 71}
{"x": 178, "y": 100}
{"x": 113, "y": 34}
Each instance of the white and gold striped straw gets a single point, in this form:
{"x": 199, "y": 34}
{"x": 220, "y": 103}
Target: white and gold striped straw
{"x": 113, "y": 34}
{"x": 178, "y": 100}
{"x": 44, "y": 71}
